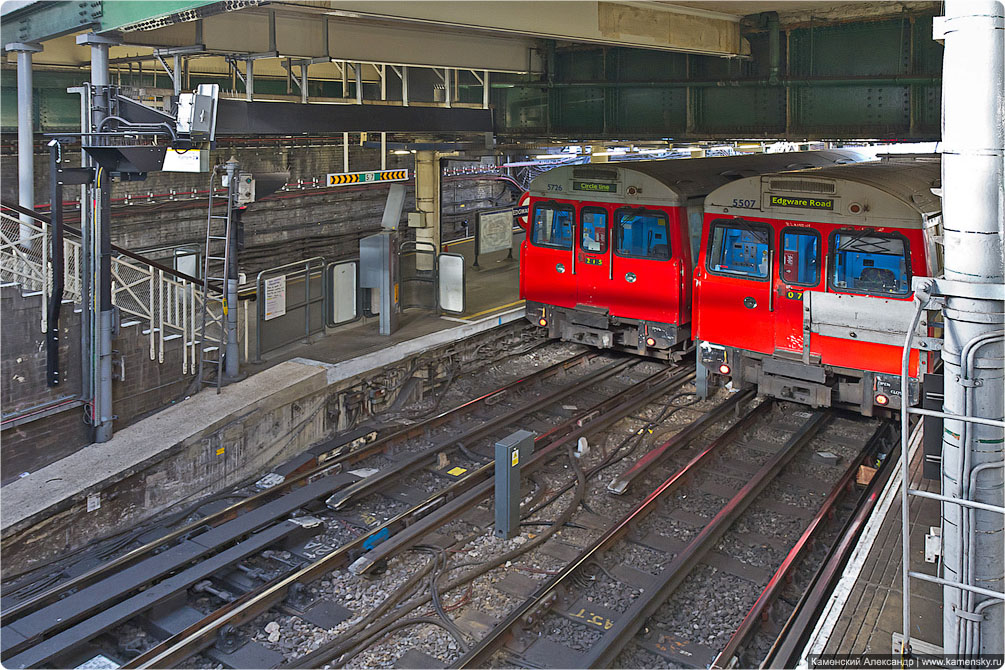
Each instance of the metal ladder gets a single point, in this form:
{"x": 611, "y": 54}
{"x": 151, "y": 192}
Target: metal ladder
{"x": 212, "y": 330}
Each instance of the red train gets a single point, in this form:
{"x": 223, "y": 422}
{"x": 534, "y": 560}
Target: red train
{"x": 816, "y": 268}
{"x": 610, "y": 253}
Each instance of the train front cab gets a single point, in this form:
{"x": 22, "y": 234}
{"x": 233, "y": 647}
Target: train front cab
{"x": 607, "y": 269}
{"x": 809, "y": 304}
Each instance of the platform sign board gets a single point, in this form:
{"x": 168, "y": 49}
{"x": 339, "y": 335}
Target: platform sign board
{"x": 188, "y": 160}
{"x": 275, "y": 297}
{"x": 494, "y": 231}
{"x": 380, "y": 176}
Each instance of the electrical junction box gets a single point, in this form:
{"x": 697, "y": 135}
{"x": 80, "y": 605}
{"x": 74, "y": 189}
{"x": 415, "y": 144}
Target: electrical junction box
{"x": 416, "y": 220}
{"x": 245, "y": 188}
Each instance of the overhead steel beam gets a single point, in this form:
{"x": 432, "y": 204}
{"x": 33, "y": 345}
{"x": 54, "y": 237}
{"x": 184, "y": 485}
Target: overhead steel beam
{"x": 650, "y": 26}
{"x": 301, "y": 35}
{"x": 235, "y": 117}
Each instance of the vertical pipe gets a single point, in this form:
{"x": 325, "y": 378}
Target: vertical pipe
{"x": 404, "y": 86}
{"x": 485, "y": 89}
{"x": 345, "y": 152}
{"x": 303, "y": 82}
{"x": 973, "y": 145}
{"x": 25, "y": 136}
{"x": 774, "y": 48}
{"x": 177, "y": 75}
{"x": 447, "y": 93}
{"x": 383, "y": 150}
{"x": 249, "y": 79}
{"x": 102, "y": 239}
{"x": 357, "y": 69}
{"x": 383, "y": 82}
{"x": 231, "y": 353}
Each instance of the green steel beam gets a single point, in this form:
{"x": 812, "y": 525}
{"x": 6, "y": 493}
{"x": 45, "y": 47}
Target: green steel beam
{"x": 45, "y": 20}
{"x": 125, "y": 14}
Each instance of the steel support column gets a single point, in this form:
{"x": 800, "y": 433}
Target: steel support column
{"x": 101, "y": 291}
{"x": 973, "y": 90}
{"x": 25, "y": 134}
{"x": 427, "y": 202}
{"x": 231, "y": 356}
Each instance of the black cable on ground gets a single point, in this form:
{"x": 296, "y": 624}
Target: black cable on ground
{"x": 335, "y": 650}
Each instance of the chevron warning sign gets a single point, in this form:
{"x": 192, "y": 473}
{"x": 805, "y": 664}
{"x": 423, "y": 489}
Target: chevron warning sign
{"x": 345, "y": 178}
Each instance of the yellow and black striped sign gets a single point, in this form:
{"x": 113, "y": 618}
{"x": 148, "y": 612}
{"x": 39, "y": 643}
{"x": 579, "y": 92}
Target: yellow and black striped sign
{"x": 344, "y": 178}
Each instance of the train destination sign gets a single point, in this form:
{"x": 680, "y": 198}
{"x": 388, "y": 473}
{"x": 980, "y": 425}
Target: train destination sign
{"x": 346, "y": 178}
{"x": 594, "y": 187}
{"x": 802, "y": 203}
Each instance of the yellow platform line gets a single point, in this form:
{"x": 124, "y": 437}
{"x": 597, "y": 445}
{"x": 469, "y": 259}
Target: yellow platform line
{"x": 493, "y": 309}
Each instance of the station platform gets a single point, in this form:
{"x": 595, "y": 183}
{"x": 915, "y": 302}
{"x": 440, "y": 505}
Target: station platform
{"x": 865, "y": 613}
{"x": 210, "y": 441}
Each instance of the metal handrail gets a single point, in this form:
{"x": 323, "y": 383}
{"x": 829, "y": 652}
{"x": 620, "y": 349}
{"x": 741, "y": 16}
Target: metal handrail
{"x": 141, "y": 289}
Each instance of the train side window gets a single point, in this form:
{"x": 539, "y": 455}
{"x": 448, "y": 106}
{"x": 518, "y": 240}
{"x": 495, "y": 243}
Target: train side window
{"x": 870, "y": 263}
{"x": 739, "y": 247}
{"x": 800, "y": 257}
{"x": 642, "y": 233}
{"x": 553, "y": 226}
{"x": 593, "y": 221}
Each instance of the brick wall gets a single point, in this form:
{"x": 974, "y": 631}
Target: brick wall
{"x": 52, "y": 432}
{"x": 291, "y": 226}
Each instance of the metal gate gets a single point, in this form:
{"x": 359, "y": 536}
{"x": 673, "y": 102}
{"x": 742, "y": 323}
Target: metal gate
{"x": 290, "y": 304}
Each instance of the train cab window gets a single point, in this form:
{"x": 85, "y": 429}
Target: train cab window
{"x": 593, "y": 223}
{"x": 553, "y": 226}
{"x": 739, "y": 248}
{"x": 800, "y": 262}
{"x": 871, "y": 263}
{"x": 642, "y": 233}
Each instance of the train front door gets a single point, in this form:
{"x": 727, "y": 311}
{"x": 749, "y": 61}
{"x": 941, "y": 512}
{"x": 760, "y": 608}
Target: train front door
{"x": 546, "y": 262}
{"x": 798, "y": 268}
{"x": 646, "y": 275}
{"x": 593, "y": 257}
{"x": 736, "y": 303}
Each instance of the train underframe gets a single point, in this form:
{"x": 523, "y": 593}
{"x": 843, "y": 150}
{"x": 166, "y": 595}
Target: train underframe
{"x": 595, "y": 327}
{"x": 813, "y": 384}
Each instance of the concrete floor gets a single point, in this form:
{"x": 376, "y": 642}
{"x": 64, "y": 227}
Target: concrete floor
{"x": 492, "y": 287}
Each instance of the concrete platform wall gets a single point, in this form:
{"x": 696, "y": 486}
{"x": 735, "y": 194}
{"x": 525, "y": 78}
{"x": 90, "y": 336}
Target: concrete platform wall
{"x": 211, "y": 442}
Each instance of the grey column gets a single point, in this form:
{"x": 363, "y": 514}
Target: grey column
{"x": 25, "y": 134}
{"x": 103, "y": 414}
{"x": 973, "y": 93}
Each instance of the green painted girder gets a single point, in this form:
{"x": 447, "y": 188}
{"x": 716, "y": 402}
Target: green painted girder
{"x": 878, "y": 78}
{"x": 42, "y": 21}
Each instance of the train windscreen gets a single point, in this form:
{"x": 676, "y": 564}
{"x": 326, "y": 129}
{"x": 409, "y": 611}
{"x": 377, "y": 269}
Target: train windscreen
{"x": 553, "y": 226}
{"x": 739, "y": 248}
{"x": 643, "y": 233}
{"x": 870, "y": 263}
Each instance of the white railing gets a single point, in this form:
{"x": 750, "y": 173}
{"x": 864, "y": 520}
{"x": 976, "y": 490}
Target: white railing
{"x": 171, "y": 307}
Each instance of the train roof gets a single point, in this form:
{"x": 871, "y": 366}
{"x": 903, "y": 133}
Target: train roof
{"x": 894, "y": 192}
{"x": 673, "y": 181}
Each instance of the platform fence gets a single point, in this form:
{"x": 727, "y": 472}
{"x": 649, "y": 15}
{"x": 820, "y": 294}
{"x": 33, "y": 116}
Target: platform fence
{"x": 165, "y": 304}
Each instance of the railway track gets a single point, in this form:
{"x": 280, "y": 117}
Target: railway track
{"x": 262, "y": 552}
{"x": 634, "y": 597}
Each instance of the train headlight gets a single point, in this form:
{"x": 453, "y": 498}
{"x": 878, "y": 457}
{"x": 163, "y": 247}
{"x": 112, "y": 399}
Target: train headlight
{"x": 724, "y": 369}
{"x": 650, "y": 341}
{"x": 542, "y": 321}
{"x": 882, "y": 399}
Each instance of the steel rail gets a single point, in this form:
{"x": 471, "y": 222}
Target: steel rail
{"x": 788, "y": 643}
{"x": 411, "y": 535}
{"x": 54, "y": 593}
{"x": 751, "y": 622}
{"x": 478, "y": 655}
{"x": 202, "y": 633}
{"x": 420, "y": 458}
{"x": 620, "y": 484}
{"x": 623, "y": 631}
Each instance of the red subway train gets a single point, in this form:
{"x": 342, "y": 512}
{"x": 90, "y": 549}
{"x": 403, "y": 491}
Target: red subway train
{"x": 816, "y": 268}
{"x": 611, "y": 251}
